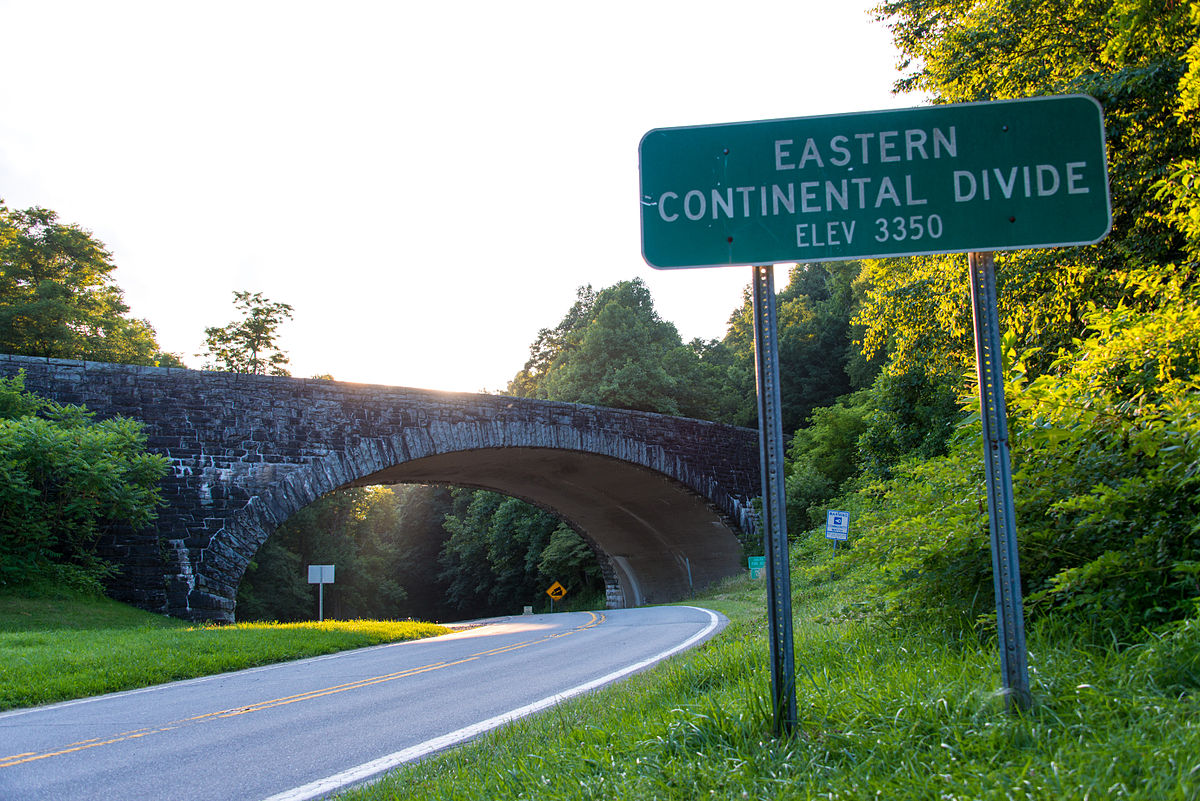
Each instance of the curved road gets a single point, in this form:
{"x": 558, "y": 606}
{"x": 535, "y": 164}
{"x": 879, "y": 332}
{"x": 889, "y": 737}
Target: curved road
{"x": 302, "y": 729}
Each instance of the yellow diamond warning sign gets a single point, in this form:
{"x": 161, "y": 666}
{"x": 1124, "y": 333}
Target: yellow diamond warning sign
{"x": 556, "y": 591}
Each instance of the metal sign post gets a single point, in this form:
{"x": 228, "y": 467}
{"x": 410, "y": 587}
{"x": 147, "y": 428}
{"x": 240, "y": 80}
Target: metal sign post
{"x": 837, "y": 526}
{"x": 1006, "y": 571}
{"x": 320, "y": 575}
{"x": 556, "y": 592}
{"x": 774, "y": 520}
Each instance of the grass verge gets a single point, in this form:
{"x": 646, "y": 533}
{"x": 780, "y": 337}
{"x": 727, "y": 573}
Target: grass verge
{"x": 885, "y": 713}
{"x": 56, "y": 649}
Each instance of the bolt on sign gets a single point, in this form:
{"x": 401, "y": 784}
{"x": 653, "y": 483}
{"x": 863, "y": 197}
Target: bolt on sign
{"x": 1000, "y": 175}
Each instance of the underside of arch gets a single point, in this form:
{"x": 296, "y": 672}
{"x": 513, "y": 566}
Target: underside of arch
{"x": 664, "y": 540}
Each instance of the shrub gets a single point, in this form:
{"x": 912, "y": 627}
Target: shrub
{"x": 1106, "y": 459}
{"x": 65, "y": 481}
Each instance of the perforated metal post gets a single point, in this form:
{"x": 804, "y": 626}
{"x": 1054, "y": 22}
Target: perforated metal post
{"x": 775, "y": 544}
{"x": 1006, "y": 571}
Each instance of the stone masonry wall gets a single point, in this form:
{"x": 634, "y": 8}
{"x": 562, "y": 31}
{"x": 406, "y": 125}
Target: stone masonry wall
{"x": 233, "y": 441}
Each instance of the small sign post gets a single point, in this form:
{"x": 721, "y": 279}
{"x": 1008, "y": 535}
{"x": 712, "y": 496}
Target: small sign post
{"x": 957, "y": 178}
{"x": 837, "y": 526}
{"x": 320, "y": 575}
{"x": 774, "y": 505}
{"x": 1006, "y": 571}
{"x": 756, "y": 565}
{"x": 556, "y": 592}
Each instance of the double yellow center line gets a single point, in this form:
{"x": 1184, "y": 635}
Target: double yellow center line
{"x": 33, "y": 756}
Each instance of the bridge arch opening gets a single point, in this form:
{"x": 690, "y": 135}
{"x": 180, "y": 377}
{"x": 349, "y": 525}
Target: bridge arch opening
{"x": 657, "y": 541}
{"x": 663, "y": 541}
{"x": 422, "y": 551}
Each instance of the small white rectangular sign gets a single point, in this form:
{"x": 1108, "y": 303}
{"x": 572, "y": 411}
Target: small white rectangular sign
{"x": 320, "y": 574}
{"x": 837, "y": 525}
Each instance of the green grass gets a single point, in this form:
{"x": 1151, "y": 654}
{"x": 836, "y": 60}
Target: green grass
{"x": 56, "y": 649}
{"x": 885, "y": 713}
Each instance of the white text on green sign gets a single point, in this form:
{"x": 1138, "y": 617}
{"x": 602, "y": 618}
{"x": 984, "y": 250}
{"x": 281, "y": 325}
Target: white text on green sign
{"x": 940, "y": 179}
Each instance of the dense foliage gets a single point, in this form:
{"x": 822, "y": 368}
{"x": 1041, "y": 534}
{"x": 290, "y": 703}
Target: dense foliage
{"x": 418, "y": 551}
{"x": 502, "y": 554}
{"x": 1103, "y": 391}
{"x": 384, "y": 542}
{"x": 65, "y": 482}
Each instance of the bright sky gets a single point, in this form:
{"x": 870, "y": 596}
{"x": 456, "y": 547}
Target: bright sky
{"x": 427, "y": 183}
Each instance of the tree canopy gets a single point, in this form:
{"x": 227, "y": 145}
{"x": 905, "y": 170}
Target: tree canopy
{"x": 1140, "y": 59}
{"x": 612, "y": 349}
{"x": 58, "y": 297}
{"x": 248, "y": 345}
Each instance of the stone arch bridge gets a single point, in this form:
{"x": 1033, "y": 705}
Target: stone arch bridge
{"x": 660, "y": 499}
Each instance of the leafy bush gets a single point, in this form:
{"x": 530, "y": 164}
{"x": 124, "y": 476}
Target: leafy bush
{"x": 1108, "y": 461}
{"x": 899, "y": 417}
{"x": 924, "y": 531}
{"x": 1106, "y": 458}
{"x": 823, "y": 456}
{"x": 911, "y": 415}
{"x": 65, "y": 481}
{"x": 806, "y": 488}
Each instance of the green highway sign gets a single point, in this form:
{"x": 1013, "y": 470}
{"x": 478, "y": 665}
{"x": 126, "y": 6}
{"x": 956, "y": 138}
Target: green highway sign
{"x": 1001, "y": 175}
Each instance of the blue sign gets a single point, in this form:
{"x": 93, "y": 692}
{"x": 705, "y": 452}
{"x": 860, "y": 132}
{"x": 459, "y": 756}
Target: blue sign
{"x": 837, "y": 525}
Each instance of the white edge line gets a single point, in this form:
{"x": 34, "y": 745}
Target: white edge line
{"x": 368, "y": 769}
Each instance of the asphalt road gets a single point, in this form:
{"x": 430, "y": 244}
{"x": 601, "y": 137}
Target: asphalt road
{"x": 302, "y": 729}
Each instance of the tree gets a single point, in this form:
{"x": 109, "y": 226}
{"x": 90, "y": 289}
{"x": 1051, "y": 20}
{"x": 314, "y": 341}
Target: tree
{"x": 818, "y": 359}
{"x": 1140, "y": 60}
{"x": 502, "y": 553}
{"x": 248, "y": 345}
{"x": 612, "y": 349}
{"x": 58, "y": 298}
{"x": 570, "y": 561}
{"x": 464, "y": 556}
